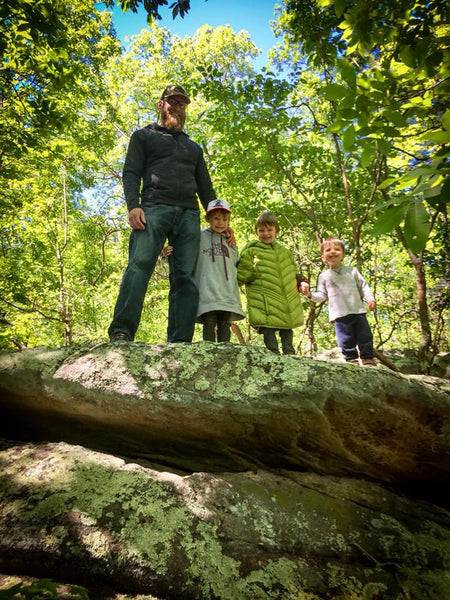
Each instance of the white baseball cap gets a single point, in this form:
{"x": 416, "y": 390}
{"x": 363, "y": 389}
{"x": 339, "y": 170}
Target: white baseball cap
{"x": 218, "y": 205}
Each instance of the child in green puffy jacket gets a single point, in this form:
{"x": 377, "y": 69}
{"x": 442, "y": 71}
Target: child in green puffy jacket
{"x": 268, "y": 271}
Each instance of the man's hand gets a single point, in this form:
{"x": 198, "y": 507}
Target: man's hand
{"x": 231, "y": 240}
{"x": 136, "y": 218}
{"x": 371, "y": 305}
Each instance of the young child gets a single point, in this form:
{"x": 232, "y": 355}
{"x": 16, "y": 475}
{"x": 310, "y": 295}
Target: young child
{"x": 268, "y": 271}
{"x": 346, "y": 291}
{"x": 216, "y": 275}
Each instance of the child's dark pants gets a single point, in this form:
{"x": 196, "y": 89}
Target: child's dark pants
{"x": 352, "y": 332}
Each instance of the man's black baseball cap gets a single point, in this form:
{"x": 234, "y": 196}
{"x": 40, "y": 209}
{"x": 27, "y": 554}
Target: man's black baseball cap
{"x": 175, "y": 90}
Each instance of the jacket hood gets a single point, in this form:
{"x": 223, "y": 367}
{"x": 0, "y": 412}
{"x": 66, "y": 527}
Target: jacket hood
{"x": 258, "y": 244}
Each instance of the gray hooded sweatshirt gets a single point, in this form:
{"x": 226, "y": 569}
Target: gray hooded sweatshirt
{"x": 216, "y": 276}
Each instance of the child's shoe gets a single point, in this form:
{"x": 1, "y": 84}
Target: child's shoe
{"x": 368, "y": 362}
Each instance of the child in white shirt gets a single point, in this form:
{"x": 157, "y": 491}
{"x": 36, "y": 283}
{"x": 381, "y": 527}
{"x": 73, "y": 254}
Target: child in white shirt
{"x": 216, "y": 275}
{"x": 346, "y": 291}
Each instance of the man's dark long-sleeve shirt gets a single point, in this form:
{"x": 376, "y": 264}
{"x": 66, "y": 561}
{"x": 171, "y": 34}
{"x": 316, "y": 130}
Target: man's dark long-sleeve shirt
{"x": 170, "y": 166}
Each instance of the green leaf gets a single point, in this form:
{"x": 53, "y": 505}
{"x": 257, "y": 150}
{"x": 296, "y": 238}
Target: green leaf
{"x": 389, "y": 219}
{"x": 438, "y": 197}
{"x": 335, "y": 127}
{"x": 408, "y": 57}
{"x": 348, "y": 113}
{"x": 362, "y": 103}
{"x": 347, "y": 72}
{"x": 445, "y": 190}
{"x": 363, "y": 131}
{"x": 446, "y": 119}
{"x": 386, "y": 183}
{"x": 443, "y": 152}
{"x": 348, "y": 137}
{"x": 334, "y": 91}
{"x": 417, "y": 226}
{"x": 439, "y": 137}
{"x": 348, "y": 101}
{"x": 418, "y": 172}
{"x": 367, "y": 154}
{"x": 390, "y": 131}
{"x": 384, "y": 146}
{"x": 395, "y": 117}
{"x": 434, "y": 59}
{"x": 339, "y": 7}
{"x": 430, "y": 191}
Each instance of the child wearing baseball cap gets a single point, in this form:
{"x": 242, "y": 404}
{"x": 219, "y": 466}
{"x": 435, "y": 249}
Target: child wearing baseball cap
{"x": 216, "y": 275}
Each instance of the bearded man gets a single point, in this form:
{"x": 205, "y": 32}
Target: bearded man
{"x": 164, "y": 176}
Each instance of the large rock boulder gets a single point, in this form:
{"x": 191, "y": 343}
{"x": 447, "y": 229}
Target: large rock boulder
{"x": 94, "y": 519}
{"x": 208, "y": 407}
{"x": 218, "y": 471}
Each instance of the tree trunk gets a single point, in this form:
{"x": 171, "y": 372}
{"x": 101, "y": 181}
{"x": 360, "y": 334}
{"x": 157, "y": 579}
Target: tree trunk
{"x": 421, "y": 287}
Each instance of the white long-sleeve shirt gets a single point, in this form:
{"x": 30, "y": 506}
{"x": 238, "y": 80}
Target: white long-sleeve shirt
{"x": 346, "y": 291}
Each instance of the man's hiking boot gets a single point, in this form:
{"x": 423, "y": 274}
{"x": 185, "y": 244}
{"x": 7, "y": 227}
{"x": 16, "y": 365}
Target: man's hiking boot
{"x": 120, "y": 336}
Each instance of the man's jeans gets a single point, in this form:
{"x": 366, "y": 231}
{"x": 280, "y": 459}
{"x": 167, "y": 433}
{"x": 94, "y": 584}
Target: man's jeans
{"x": 354, "y": 331}
{"x": 181, "y": 226}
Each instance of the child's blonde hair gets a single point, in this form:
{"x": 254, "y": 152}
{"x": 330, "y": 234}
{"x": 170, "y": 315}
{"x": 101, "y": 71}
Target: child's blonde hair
{"x": 267, "y": 219}
{"x": 332, "y": 240}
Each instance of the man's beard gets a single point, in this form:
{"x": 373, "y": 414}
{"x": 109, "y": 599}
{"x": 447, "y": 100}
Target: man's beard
{"x": 171, "y": 121}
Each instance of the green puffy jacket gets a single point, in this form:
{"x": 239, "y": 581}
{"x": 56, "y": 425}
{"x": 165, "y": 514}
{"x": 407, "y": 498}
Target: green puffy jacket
{"x": 269, "y": 274}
